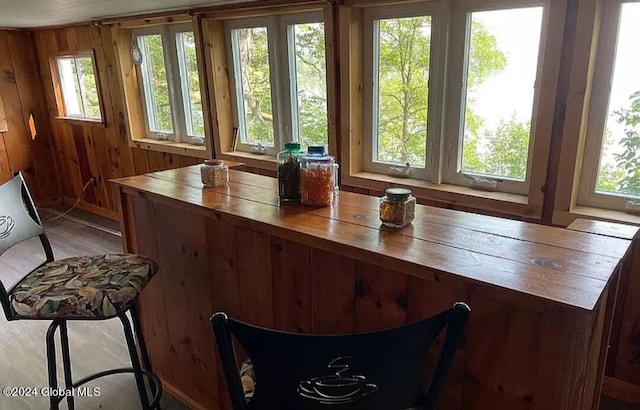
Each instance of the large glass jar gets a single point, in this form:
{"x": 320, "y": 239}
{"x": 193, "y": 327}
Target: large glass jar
{"x": 214, "y": 172}
{"x": 397, "y": 207}
{"x": 289, "y": 172}
{"x": 317, "y": 184}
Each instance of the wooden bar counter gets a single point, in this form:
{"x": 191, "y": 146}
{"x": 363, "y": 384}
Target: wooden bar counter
{"x": 541, "y": 297}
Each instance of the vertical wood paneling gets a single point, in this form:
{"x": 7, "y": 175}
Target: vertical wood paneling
{"x": 25, "y": 68}
{"x": 83, "y": 151}
{"x": 291, "y": 269}
{"x": 16, "y": 137}
{"x": 5, "y": 167}
{"x": 225, "y": 288}
{"x": 425, "y": 299}
{"x": 254, "y": 277}
{"x": 381, "y": 298}
{"x": 120, "y": 154}
{"x": 3, "y": 117}
{"x": 153, "y": 320}
{"x": 187, "y": 293}
{"x": 46, "y": 44}
{"x": 20, "y": 87}
{"x": 503, "y": 354}
{"x": 333, "y": 280}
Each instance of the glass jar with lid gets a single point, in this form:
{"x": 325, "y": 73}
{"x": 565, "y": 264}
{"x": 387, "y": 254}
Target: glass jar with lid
{"x": 214, "y": 172}
{"x": 317, "y": 184}
{"x": 397, "y": 207}
{"x": 289, "y": 172}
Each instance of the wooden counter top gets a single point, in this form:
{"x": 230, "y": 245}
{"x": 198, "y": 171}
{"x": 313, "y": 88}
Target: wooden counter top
{"x": 571, "y": 268}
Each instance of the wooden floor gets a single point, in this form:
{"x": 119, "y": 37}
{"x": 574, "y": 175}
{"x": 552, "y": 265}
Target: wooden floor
{"x": 95, "y": 346}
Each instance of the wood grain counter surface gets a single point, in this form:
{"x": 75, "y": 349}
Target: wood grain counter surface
{"x": 516, "y": 259}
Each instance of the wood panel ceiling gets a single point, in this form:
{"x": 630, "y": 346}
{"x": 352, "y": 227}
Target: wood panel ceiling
{"x": 41, "y": 13}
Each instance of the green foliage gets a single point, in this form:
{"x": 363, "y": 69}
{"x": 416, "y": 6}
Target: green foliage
{"x": 311, "y": 81}
{"x": 88, "y": 79}
{"x": 192, "y": 94}
{"x": 508, "y": 150}
{"x": 485, "y": 58}
{"x": 253, "y": 49}
{"x": 629, "y": 159}
{"x": 403, "y": 89}
{"x": 153, "y": 64}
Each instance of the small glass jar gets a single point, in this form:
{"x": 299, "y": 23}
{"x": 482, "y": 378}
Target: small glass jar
{"x": 214, "y": 172}
{"x": 317, "y": 184}
{"x": 289, "y": 172}
{"x": 397, "y": 207}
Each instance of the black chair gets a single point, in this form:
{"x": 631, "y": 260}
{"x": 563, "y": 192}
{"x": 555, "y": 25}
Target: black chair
{"x": 83, "y": 288}
{"x": 376, "y": 371}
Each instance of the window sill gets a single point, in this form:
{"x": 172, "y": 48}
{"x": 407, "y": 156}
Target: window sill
{"x": 566, "y": 218}
{"x": 83, "y": 122}
{"x": 180, "y": 148}
{"x": 266, "y": 162}
{"x": 459, "y": 196}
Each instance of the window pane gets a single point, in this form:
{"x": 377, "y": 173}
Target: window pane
{"x": 190, "y": 84}
{"x": 309, "y": 88}
{"x": 87, "y": 81}
{"x": 401, "y": 92}
{"x": 502, "y": 61}
{"x": 156, "y": 88}
{"x": 70, "y": 85}
{"x": 253, "y": 85}
{"x": 618, "y": 171}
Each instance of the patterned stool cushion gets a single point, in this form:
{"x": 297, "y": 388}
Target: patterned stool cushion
{"x": 99, "y": 286}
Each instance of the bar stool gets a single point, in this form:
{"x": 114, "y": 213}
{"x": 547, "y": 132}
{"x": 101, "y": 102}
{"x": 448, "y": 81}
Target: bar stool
{"x": 82, "y": 288}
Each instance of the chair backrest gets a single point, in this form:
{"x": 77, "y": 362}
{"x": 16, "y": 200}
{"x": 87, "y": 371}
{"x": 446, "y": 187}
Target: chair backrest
{"x": 19, "y": 221}
{"x": 376, "y": 371}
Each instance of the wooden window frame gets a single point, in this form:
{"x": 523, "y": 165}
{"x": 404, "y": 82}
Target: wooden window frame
{"x": 168, "y": 33}
{"x": 132, "y": 92}
{"x": 598, "y": 110}
{"x": 219, "y": 81}
{"x": 59, "y": 95}
{"x": 281, "y": 90}
{"x": 529, "y": 203}
{"x": 453, "y": 137}
{"x": 438, "y": 13}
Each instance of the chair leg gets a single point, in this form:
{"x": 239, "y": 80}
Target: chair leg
{"x": 51, "y": 363}
{"x": 135, "y": 362}
{"x": 146, "y": 361}
{"x": 66, "y": 361}
{"x": 137, "y": 329}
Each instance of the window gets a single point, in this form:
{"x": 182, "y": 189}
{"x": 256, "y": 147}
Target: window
{"x": 279, "y": 81}
{"x": 170, "y": 84}
{"x": 75, "y": 78}
{"x": 610, "y": 175}
{"x": 484, "y": 133}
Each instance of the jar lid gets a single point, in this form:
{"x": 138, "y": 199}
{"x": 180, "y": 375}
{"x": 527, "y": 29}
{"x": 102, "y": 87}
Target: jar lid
{"x": 292, "y": 146}
{"x": 214, "y": 162}
{"x": 398, "y": 193}
{"x": 316, "y": 150}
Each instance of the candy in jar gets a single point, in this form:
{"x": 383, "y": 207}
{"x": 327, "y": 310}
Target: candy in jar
{"x": 397, "y": 207}
{"x": 317, "y": 183}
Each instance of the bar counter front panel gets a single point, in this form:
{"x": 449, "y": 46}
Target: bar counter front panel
{"x": 541, "y": 297}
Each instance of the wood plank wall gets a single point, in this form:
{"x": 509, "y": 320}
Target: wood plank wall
{"x": 91, "y": 150}
{"x": 20, "y": 91}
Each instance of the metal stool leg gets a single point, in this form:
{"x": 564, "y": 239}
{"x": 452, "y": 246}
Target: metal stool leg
{"x": 66, "y": 361}
{"x": 135, "y": 362}
{"x": 51, "y": 363}
{"x": 146, "y": 361}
